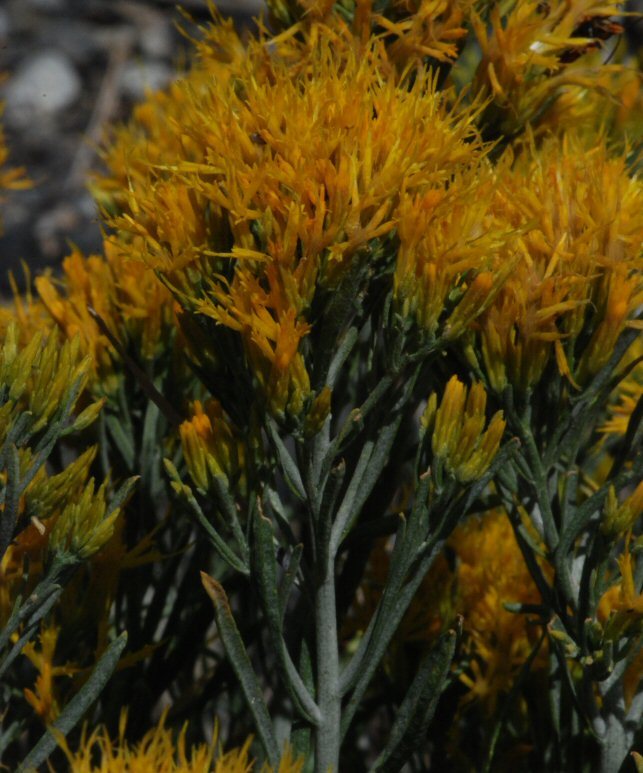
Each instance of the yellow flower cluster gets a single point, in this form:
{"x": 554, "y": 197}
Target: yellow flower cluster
{"x": 43, "y": 697}
{"x": 530, "y": 50}
{"x": 40, "y": 385}
{"x": 211, "y": 446}
{"x": 277, "y": 180}
{"x": 620, "y": 517}
{"x": 453, "y": 255}
{"x": 459, "y": 439}
{"x": 535, "y": 60}
{"x": 126, "y": 295}
{"x": 85, "y": 525}
{"x": 491, "y": 572}
{"x": 414, "y": 30}
{"x": 36, "y": 380}
{"x": 578, "y": 283}
{"x": 161, "y": 751}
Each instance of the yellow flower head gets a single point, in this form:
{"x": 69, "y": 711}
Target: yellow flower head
{"x": 280, "y": 175}
{"x": 413, "y": 30}
{"x": 85, "y": 524}
{"x": 530, "y": 52}
{"x": 578, "y": 282}
{"x": 459, "y": 439}
{"x": 620, "y": 517}
{"x": 211, "y": 446}
{"x": 37, "y": 381}
{"x": 124, "y": 293}
{"x": 163, "y": 751}
{"x": 490, "y": 572}
{"x": 453, "y": 256}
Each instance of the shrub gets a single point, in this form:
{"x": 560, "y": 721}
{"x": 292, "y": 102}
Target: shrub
{"x": 362, "y": 348}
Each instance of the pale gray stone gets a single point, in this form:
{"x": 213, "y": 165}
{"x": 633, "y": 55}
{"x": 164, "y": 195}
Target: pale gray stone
{"x": 156, "y": 40}
{"x": 43, "y": 85}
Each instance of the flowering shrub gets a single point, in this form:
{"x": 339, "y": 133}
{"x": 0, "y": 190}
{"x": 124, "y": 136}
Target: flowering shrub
{"x": 359, "y": 370}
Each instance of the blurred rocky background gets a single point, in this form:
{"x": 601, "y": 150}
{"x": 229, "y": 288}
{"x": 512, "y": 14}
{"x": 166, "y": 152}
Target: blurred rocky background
{"x": 70, "y": 68}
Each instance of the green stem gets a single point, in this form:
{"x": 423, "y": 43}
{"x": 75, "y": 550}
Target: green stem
{"x": 327, "y": 736}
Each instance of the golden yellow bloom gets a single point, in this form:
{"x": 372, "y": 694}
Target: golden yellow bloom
{"x": 529, "y": 55}
{"x": 491, "y": 572}
{"x": 279, "y": 177}
{"x": 162, "y": 751}
{"x": 453, "y": 257}
{"x": 211, "y": 445}
{"x": 459, "y": 440}
{"x": 38, "y": 379}
{"x": 414, "y": 30}
{"x": 43, "y": 698}
{"x": 128, "y": 297}
{"x": 271, "y": 333}
{"x": 619, "y": 518}
{"x": 84, "y": 525}
{"x": 580, "y": 273}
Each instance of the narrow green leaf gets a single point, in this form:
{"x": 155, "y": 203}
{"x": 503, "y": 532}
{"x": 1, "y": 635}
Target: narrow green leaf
{"x": 123, "y": 441}
{"x": 288, "y": 465}
{"x": 9, "y": 514}
{"x": 242, "y": 667}
{"x": 8, "y": 736}
{"x": 266, "y": 574}
{"x": 29, "y": 631}
{"x": 229, "y": 509}
{"x": 418, "y": 707}
{"x": 150, "y": 455}
{"x": 219, "y": 544}
{"x": 30, "y": 607}
{"x": 290, "y": 576}
{"x": 122, "y": 494}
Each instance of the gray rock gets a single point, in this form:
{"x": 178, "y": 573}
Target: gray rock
{"x": 156, "y": 41}
{"x": 139, "y": 76}
{"x": 42, "y": 86}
